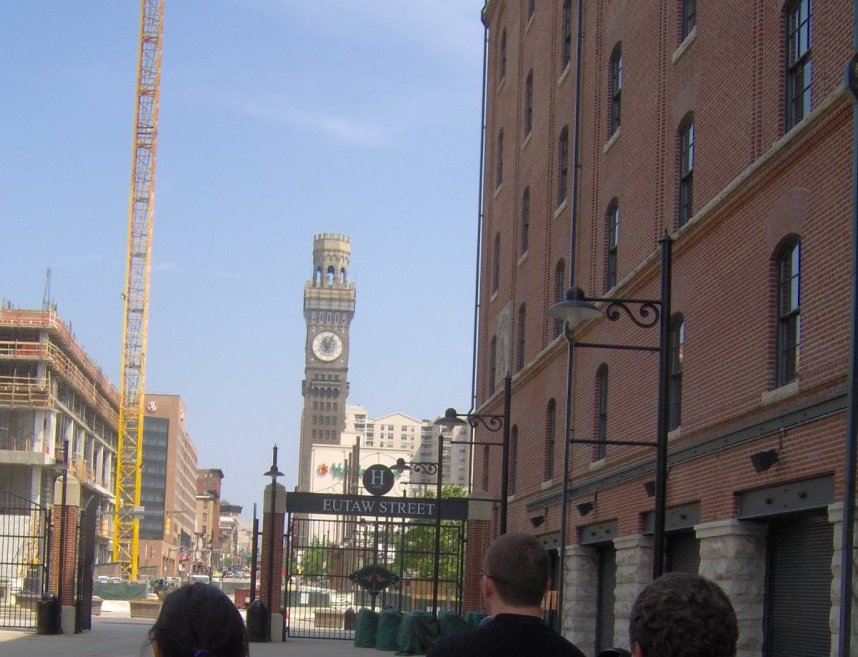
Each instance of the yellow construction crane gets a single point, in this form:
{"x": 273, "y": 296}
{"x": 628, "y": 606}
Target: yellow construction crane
{"x": 129, "y": 457}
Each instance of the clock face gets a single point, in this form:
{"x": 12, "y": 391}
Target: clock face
{"x": 327, "y": 346}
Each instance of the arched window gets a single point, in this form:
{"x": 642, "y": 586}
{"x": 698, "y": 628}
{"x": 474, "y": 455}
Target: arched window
{"x": 688, "y": 18}
{"x": 493, "y": 356}
{"x": 522, "y": 324}
{"x": 499, "y": 165}
{"x": 342, "y": 276}
{"x": 601, "y": 412}
{"x": 330, "y": 277}
{"x": 550, "y": 439}
{"x": 562, "y": 165}
{"x": 567, "y": 35}
{"x": 502, "y": 56}
{"x": 528, "y": 104}
{"x": 616, "y": 87}
{"x": 317, "y": 276}
{"x": 525, "y": 220}
{"x": 677, "y": 357}
{"x": 799, "y": 67}
{"x": 613, "y": 226}
{"x": 686, "y": 170}
{"x": 559, "y": 292}
{"x": 496, "y": 263}
{"x": 788, "y": 260}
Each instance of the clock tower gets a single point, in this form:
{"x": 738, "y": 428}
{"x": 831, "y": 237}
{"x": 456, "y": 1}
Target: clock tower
{"x": 329, "y": 305}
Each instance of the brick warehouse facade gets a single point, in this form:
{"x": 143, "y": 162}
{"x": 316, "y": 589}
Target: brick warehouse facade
{"x": 727, "y": 128}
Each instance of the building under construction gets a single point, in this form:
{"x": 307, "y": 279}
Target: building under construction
{"x": 56, "y": 408}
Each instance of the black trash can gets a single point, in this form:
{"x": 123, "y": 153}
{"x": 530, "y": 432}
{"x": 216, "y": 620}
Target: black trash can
{"x": 48, "y": 615}
{"x": 258, "y": 622}
{"x": 349, "y": 619}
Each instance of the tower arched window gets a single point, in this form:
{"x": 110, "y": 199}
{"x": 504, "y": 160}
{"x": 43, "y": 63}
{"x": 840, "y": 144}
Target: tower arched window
{"x": 331, "y": 276}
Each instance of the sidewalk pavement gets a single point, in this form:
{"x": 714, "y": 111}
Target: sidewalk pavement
{"x": 115, "y": 634}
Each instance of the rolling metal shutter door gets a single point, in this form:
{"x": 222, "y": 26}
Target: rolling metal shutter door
{"x": 799, "y": 588}
{"x": 683, "y": 553}
{"x": 605, "y": 598}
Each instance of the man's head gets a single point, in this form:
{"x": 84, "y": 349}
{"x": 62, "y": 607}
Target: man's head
{"x": 516, "y": 566}
{"x": 683, "y": 615}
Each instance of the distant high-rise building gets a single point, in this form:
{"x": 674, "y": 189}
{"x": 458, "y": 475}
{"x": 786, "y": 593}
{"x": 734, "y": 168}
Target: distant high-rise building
{"x": 168, "y": 491}
{"x": 329, "y": 304}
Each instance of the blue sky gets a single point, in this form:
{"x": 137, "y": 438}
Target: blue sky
{"x": 279, "y": 119}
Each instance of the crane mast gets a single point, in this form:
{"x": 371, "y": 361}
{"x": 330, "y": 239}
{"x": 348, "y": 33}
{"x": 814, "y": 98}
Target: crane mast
{"x": 129, "y": 458}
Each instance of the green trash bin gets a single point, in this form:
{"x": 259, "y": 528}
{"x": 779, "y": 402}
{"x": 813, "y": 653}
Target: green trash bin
{"x": 419, "y": 629}
{"x": 451, "y": 623}
{"x": 366, "y": 631}
{"x": 388, "y": 629}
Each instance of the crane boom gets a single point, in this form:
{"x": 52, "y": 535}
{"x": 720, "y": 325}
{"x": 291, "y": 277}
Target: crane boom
{"x": 129, "y": 458}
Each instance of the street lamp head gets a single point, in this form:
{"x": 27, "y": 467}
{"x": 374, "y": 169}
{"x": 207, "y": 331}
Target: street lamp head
{"x": 274, "y": 472}
{"x": 451, "y": 419}
{"x": 574, "y": 308}
{"x": 400, "y": 465}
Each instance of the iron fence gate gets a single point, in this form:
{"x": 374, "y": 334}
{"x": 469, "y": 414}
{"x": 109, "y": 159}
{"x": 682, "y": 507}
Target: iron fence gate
{"x": 24, "y": 549}
{"x": 326, "y": 560}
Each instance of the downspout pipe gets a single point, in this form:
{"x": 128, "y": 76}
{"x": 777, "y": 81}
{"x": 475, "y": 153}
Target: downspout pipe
{"x": 478, "y": 259}
{"x": 847, "y": 542}
{"x": 573, "y": 221}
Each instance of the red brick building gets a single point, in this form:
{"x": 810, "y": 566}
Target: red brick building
{"x": 728, "y": 128}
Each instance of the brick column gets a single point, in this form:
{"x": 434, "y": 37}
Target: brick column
{"x": 733, "y": 554}
{"x": 479, "y": 537}
{"x": 271, "y": 568}
{"x": 64, "y": 548}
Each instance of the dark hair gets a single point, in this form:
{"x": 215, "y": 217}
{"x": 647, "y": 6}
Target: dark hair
{"x": 198, "y": 619}
{"x": 683, "y": 615}
{"x": 518, "y": 565}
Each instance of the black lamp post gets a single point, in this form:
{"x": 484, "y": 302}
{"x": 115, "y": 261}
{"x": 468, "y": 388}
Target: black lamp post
{"x": 273, "y": 472}
{"x": 646, "y": 314}
{"x": 429, "y": 468}
{"x": 491, "y": 423}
